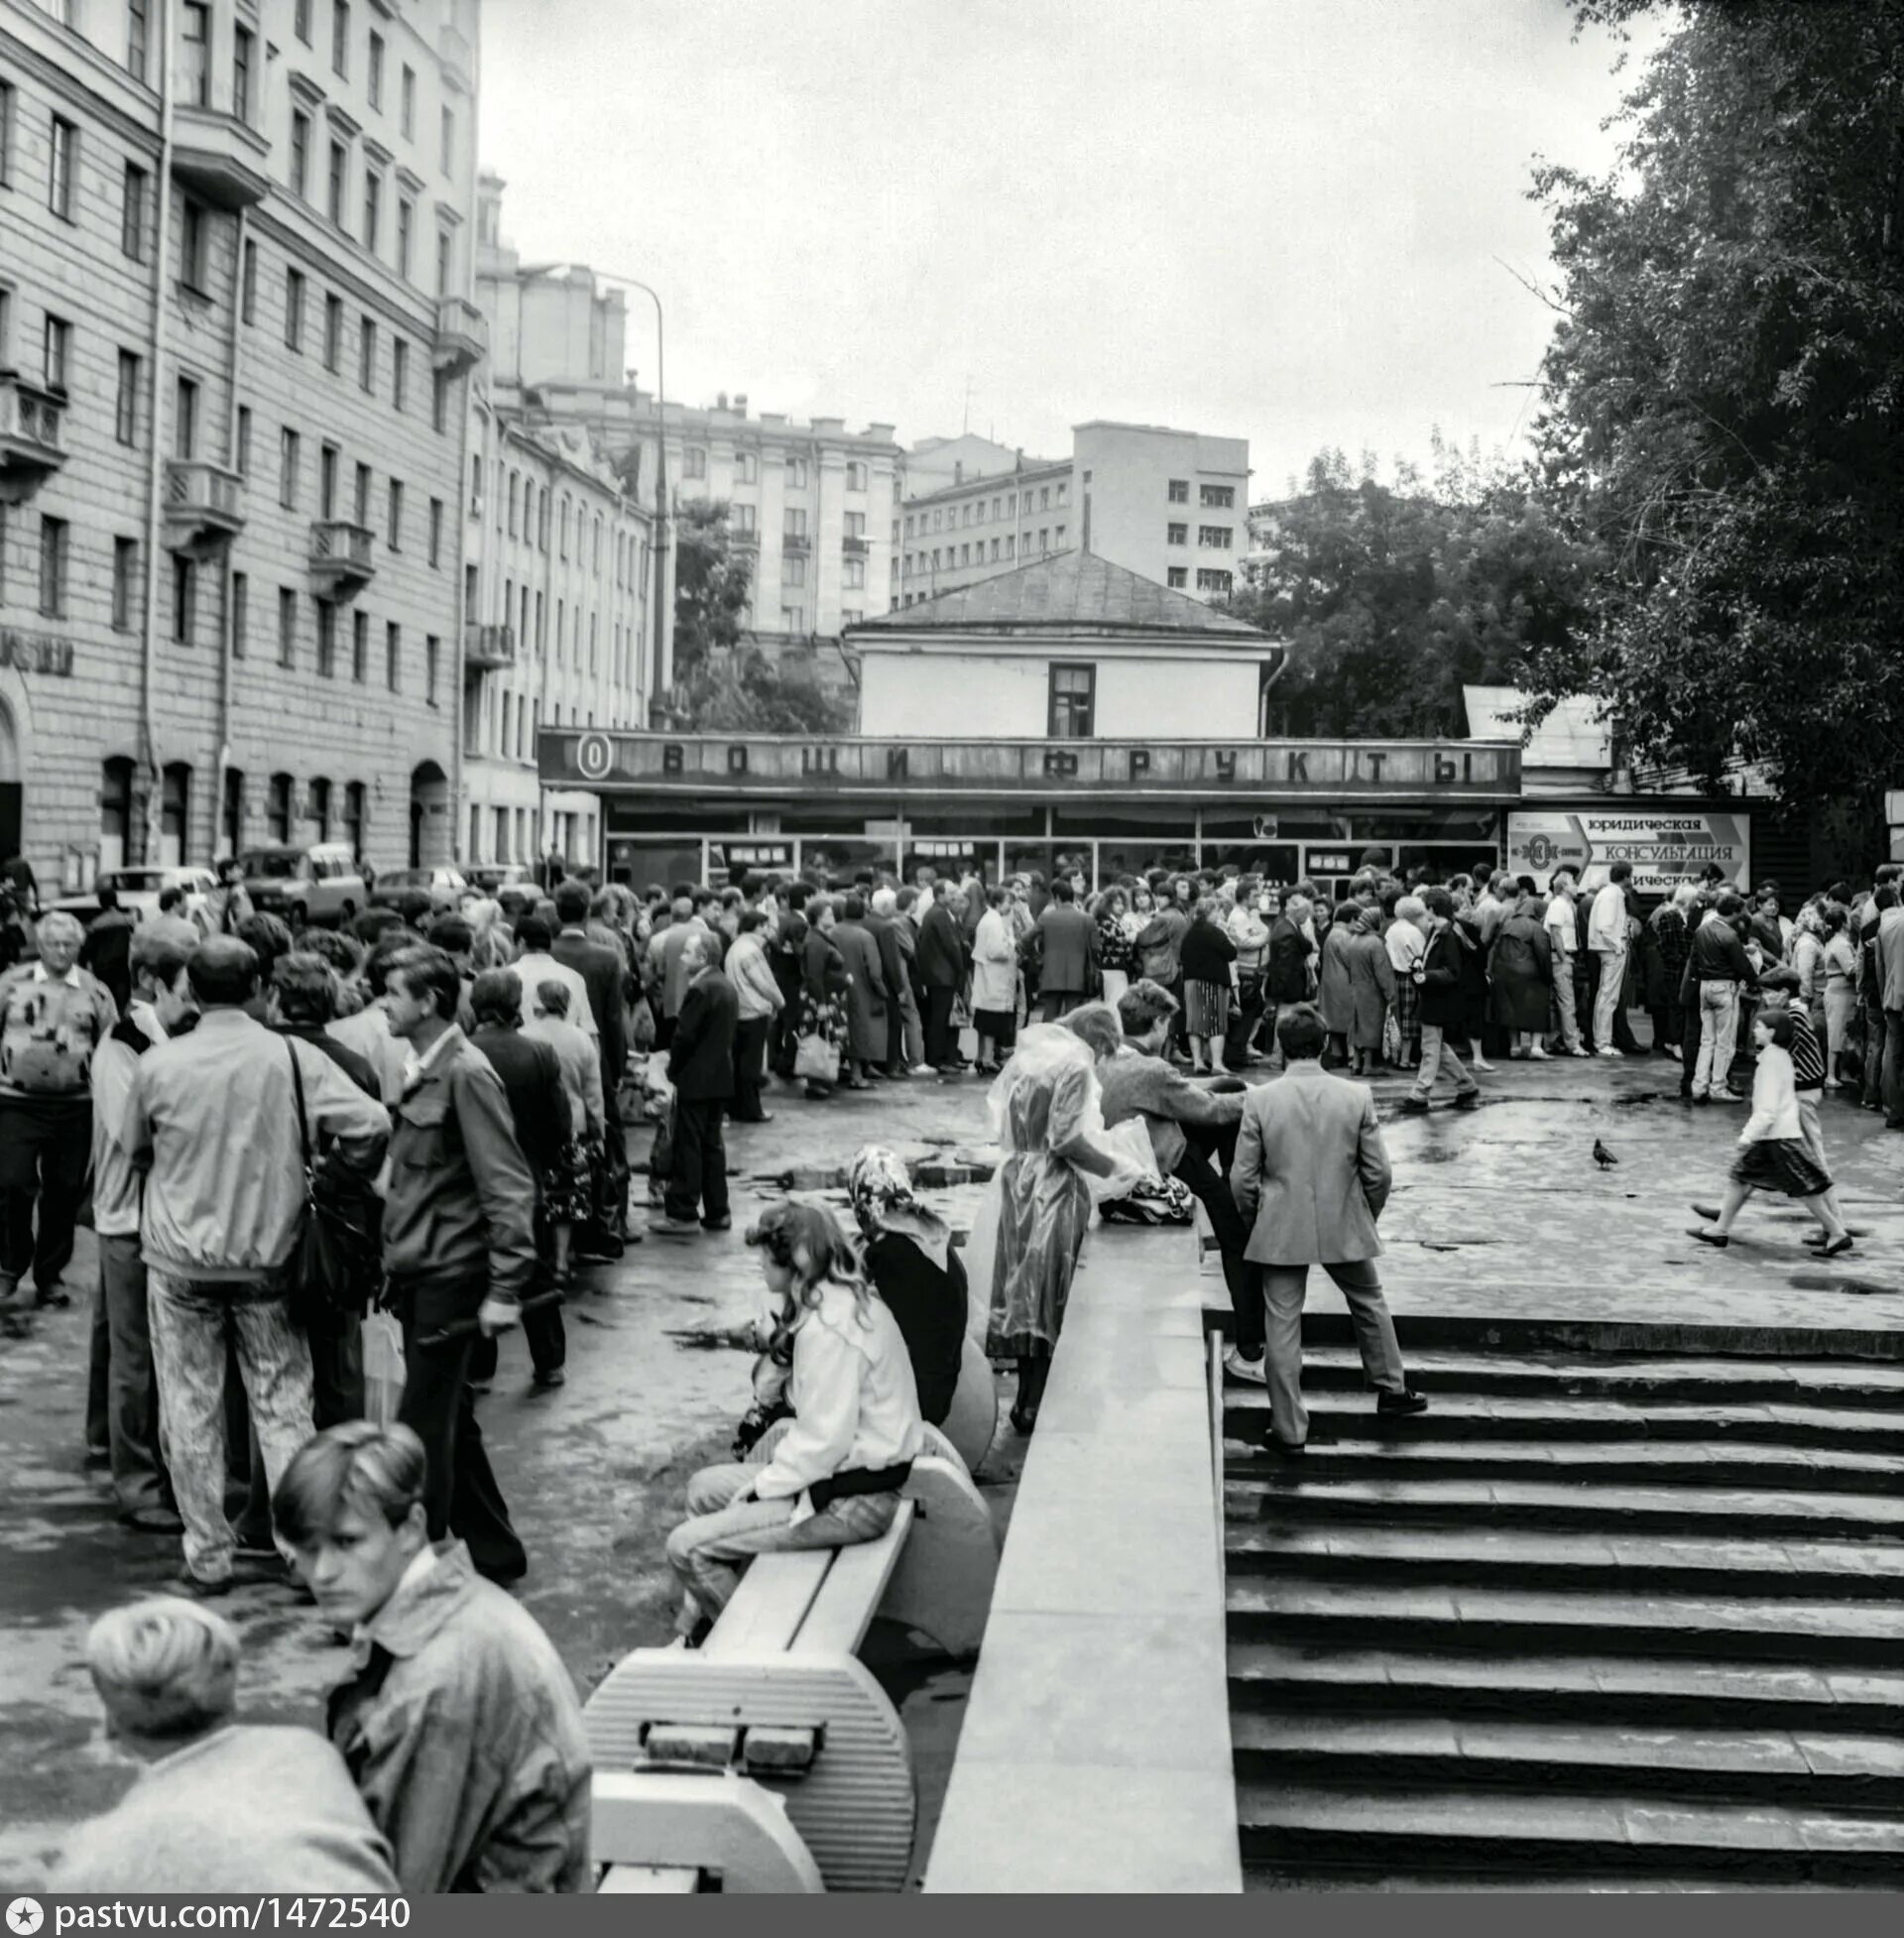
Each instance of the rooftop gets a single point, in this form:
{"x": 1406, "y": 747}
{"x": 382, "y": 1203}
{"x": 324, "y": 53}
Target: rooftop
{"x": 1067, "y": 592}
{"x": 1574, "y": 734}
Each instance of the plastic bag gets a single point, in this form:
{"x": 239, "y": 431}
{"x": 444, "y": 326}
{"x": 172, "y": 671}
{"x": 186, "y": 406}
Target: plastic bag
{"x": 1136, "y": 1161}
{"x": 383, "y": 1367}
{"x": 817, "y": 1061}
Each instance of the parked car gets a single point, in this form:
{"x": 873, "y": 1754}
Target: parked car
{"x": 139, "y": 888}
{"x": 444, "y": 885}
{"x": 317, "y": 887}
{"x": 492, "y": 876}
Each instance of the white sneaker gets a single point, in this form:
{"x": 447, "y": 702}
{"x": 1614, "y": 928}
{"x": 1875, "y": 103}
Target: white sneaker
{"x": 922, "y": 1070}
{"x": 1538, "y": 1055}
{"x": 1609, "y": 1050}
{"x": 1251, "y": 1371}
{"x": 1582, "y": 1052}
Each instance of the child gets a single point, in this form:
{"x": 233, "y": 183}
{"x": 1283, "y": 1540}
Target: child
{"x": 1772, "y": 1152}
{"x": 834, "y": 1479}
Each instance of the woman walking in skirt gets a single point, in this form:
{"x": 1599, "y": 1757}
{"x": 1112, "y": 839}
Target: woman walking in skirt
{"x": 1772, "y": 1152}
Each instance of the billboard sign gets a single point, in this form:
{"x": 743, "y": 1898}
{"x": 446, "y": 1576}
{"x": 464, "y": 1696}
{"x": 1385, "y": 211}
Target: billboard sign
{"x": 1664, "y": 847}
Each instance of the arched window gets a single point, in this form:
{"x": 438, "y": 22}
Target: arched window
{"x": 115, "y": 812}
{"x": 278, "y": 808}
{"x": 175, "y": 825}
{"x": 319, "y": 799}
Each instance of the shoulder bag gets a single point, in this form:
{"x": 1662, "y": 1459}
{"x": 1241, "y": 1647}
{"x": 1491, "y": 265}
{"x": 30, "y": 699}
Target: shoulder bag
{"x": 336, "y": 1263}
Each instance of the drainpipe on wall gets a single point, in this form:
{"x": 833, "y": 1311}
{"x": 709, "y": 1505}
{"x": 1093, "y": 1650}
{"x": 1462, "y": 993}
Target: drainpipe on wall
{"x": 229, "y": 644}
{"x": 155, "y": 465}
{"x": 458, "y": 645}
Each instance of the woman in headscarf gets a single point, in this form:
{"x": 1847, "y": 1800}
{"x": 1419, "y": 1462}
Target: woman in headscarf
{"x": 1371, "y": 985}
{"x": 909, "y": 1259}
{"x": 824, "y": 982}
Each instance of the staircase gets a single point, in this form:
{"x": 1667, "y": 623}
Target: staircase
{"x": 1593, "y": 1621}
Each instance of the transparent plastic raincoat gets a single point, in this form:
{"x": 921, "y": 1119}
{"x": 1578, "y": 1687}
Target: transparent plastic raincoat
{"x": 1032, "y": 1216}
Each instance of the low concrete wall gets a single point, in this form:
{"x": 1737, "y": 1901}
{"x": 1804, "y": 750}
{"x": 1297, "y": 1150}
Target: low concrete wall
{"x": 1095, "y": 1753}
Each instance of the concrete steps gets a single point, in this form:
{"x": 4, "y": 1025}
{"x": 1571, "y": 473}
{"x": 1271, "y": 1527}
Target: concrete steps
{"x": 1621, "y": 1622}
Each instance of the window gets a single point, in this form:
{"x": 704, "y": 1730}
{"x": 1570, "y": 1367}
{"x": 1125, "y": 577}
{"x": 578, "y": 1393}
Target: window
{"x": 56, "y": 353}
{"x": 445, "y": 261}
{"x": 300, "y": 20}
{"x": 741, "y": 517}
{"x": 409, "y": 104}
{"x": 374, "y": 72}
{"x": 564, "y": 527}
{"x": 334, "y": 331}
{"x": 794, "y": 571}
{"x": 185, "y": 419}
{"x": 1209, "y": 581}
{"x": 125, "y": 568}
{"x": 360, "y": 647}
{"x": 392, "y": 656}
{"x": 185, "y": 599}
{"x": 138, "y": 37}
{"x": 115, "y": 811}
{"x": 339, "y": 181}
{"x": 797, "y": 473}
{"x": 432, "y": 653}
{"x": 515, "y": 502}
{"x": 854, "y": 475}
{"x": 131, "y": 217}
{"x": 278, "y": 807}
{"x": 995, "y": 548}
{"x": 1179, "y": 491}
{"x": 195, "y": 245}
{"x": 174, "y": 812}
{"x": 793, "y": 618}
{"x": 294, "y": 311}
{"x": 243, "y": 46}
{"x": 328, "y": 481}
{"x": 288, "y": 467}
{"x": 1216, "y": 497}
{"x": 1011, "y": 546}
{"x": 326, "y": 640}
{"x": 6, "y": 134}
{"x": 447, "y": 157}
{"x": 1044, "y": 499}
{"x": 393, "y": 516}
{"x": 1061, "y": 491}
{"x": 340, "y": 38}
{"x": 300, "y": 155}
{"x": 372, "y": 209}
{"x": 1179, "y": 534}
{"x": 694, "y": 462}
{"x": 851, "y": 615}
{"x": 853, "y": 573}
{"x": 1044, "y": 540}
{"x": 354, "y": 816}
{"x": 242, "y": 443}
{"x": 406, "y": 229}
{"x": 367, "y": 356}
{"x": 1177, "y": 575}
{"x": 53, "y": 567}
{"x": 856, "y": 525}
{"x": 287, "y": 627}
{"x": 1214, "y": 538}
{"x": 1074, "y": 694}
{"x": 240, "y": 614}
{"x": 747, "y": 468}
{"x": 398, "y": 374}
{"x": 362, "y": 494}
{"x": 795, "y": 525}
{"x": 126, "y": 425}
{"x": 317, "y": 806}
{"x": 436, "y": 533}
{"x": 965, "y": 559}
{"x": 250, "y": 284}
{"x": 195, "y": 80}
{"x": 65, "y": 165}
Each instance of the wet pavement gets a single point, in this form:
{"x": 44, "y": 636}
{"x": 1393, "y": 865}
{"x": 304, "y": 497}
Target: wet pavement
{"x": 1501, "y": 1212}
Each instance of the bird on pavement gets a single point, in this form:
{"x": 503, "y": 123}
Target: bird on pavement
{"x": 1603, "y": 1157}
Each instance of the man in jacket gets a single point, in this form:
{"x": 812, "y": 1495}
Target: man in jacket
{"x": 458, "y": 1720}
{"x": 1438, "y": 976}
{"x": 1716, "y": 969}
{"x": 943, "y": 967}
{"x": 906, "y": 916}
{"x": 1286, "y": 967}
{"x": 1068, "y": 952}
{"x": 700, "y": 1066}
{"x": 1562, "y": 922}
{"x": 757, "y": 991}
{"x": 605, "y": 976}
{"x": 459, "y": 1247}
{"x": 1312, "y": 1176}
{"x": 213, "y": 1119}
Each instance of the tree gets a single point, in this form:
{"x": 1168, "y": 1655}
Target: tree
{"x": 711, "y": 586}
{"x": 1391, "y": 600}
{"x": 1723, "y": 393}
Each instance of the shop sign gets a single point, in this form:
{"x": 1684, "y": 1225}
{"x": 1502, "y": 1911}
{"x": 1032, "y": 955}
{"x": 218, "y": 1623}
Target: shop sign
{"x": 757, "y": 854}
{"x": 1665, "y": 848}
{"x": 1324, "y": 860}
{"x": 37, "y": 653}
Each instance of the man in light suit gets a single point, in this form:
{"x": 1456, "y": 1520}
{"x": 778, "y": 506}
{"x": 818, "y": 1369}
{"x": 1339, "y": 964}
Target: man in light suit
{"x": 1311, "y": 1176}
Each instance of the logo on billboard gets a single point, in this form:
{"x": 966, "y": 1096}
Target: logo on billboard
{"x": 594, "y": 756}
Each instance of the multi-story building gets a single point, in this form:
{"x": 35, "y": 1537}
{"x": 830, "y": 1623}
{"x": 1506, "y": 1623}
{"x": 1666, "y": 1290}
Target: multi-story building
{"x": 558, "y": 588}
{"x": 1167, "y": 505}
{"x": 235, "y": 336}
{"x": 815, "y": 505}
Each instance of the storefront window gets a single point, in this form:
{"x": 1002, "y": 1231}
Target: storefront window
{"x": 835, "y": 859}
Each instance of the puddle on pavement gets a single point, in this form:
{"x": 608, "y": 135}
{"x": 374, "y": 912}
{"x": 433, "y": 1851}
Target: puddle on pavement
{"x": 1816, "y": 1282}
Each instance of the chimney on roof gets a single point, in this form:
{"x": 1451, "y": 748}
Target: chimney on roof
{"x": 958, "y": 471}
{"x": 720, "y": 402}
{"x": 740, "y": 404}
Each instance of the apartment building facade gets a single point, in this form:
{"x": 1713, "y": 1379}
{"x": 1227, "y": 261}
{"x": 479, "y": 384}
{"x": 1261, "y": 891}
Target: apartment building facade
{"x": 236, "y": 333}
{"x": 1167, "y": 505}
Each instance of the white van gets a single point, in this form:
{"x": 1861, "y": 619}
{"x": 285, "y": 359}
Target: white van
{"x": 317, "y": 887}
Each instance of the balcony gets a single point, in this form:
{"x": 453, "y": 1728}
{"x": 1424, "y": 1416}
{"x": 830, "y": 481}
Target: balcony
{"x": 462, "y": 334}
{"x": 489, "y": 648}
{"x": 31, "y": 451}
{"x": 342, "y": 557}
{"x": 744, "y": 539}
{"x": 795, "y": 545}
{"x": 458, "y": 57}
{"x": 219, "y": 157}
{"x": 854, "y": 547}
{"x": 204, "y": 506}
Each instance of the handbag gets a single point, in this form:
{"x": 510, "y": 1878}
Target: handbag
{"x": 336, "y": 1262}
{"x": 817, "y": 1061}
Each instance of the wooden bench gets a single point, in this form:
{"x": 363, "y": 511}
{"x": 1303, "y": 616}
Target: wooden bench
{"x": 769, "y": 1757}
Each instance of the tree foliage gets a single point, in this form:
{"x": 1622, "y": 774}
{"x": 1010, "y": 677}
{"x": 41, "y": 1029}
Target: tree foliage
{"x": 1394, "y": 598}
{"x": 1723, "y": 392}
{"x": 712, "y": 582}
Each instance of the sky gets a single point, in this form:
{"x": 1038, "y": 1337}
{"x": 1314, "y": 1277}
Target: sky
{"x": 1296, "y": 221}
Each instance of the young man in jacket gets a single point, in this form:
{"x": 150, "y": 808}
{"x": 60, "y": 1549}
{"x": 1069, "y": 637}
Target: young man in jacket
{"x": 1438, "y": 976}
{"x": 700, "y": 1066}
{"x": 1286, "y": 965}
{"x": 459, "y": 1247}
{"x": 1716, "y": 970}
{"x": 942, "y": 962}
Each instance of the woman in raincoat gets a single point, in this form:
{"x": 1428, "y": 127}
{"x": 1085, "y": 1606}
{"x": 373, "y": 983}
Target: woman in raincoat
{"x": 995, "y": 983}
{"x": 1336, "y": 993}
{"x": 1372, "y": 984}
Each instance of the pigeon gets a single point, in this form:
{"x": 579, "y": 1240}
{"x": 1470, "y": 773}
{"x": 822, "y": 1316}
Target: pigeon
{"x": 1602, "y": 1156}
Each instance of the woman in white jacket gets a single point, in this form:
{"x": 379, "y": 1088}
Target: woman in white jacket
{"x": 995, "y": 983}
{"x": 834, "y": 1479}
{"x": 1772, "y": 1152}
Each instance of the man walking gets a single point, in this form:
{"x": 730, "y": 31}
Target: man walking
{"x": 1438, "y": 976}
{"x": 213, "y": 1118}
{"x": 459, "y": 1247}
{"x": 700, "y": 1066}
{"x": 1606, "y": 940}
{"x": 54, "y": 1016}
{"x": 1312, "y": 1176}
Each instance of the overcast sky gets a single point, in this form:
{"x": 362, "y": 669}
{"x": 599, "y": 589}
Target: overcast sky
{"x": 1285, "y": 221}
